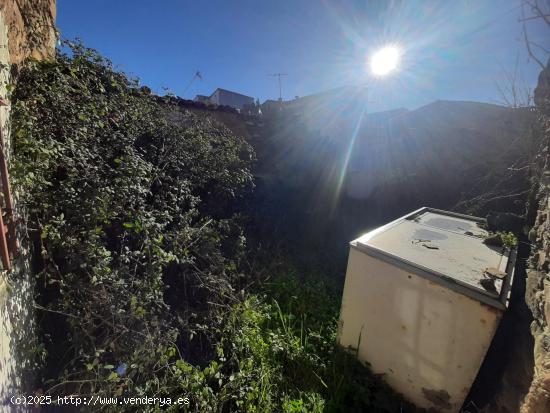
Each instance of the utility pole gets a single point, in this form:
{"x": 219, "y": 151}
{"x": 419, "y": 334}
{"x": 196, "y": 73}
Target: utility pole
{"x": 279, "y": 75}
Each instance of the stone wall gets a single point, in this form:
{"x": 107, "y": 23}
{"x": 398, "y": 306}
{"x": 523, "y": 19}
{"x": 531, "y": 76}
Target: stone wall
{"x": 26, "y": 30}
{"x": 31, "y": 28}
{"x": 538, "y": 275}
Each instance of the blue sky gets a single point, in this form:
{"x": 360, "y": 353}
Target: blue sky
{"x": 455, "y": 49}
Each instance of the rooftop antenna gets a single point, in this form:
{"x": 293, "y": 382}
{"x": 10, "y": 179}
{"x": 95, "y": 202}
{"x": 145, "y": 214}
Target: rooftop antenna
{"x": 196, "y": 76}
{"x": 279, "y": 75}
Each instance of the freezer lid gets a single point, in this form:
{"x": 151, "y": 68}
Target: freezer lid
{"x": 446, "y": 247}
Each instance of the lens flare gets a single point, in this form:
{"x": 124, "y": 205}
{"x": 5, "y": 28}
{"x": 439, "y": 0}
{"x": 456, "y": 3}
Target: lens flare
{"x": 384, "y": 61}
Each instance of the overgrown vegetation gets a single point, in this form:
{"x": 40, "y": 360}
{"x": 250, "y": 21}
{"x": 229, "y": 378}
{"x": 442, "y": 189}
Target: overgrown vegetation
{"x": 138, "y": 253}
{"x": 501, "y": 238}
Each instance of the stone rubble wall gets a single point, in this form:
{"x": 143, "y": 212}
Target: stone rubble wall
{"x": 26, "y": 30}
{"x": 31, "y": 28}
{"x": 538, "y": 275}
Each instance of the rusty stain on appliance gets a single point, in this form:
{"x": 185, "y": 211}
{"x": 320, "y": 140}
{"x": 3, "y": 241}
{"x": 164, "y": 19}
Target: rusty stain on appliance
{"x": 440, "y": 398}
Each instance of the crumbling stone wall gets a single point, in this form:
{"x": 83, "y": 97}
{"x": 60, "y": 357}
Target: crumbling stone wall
{"x": 31, "y": 28}
{"x": 26, "y": 30}
{"x": 538, "y": 275}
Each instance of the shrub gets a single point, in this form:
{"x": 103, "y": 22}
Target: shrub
{"x": 133, "y": 252}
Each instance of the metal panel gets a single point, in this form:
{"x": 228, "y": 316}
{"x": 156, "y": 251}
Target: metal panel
{"x": 446, "y": 248}
{"x": 426, "y": 339}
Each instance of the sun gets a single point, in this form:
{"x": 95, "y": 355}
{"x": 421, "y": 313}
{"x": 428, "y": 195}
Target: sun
{"x": 384, "y": 61}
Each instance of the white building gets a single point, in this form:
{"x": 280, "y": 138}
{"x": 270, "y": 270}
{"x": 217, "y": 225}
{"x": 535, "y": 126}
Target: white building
{"x": 226, "y": 98}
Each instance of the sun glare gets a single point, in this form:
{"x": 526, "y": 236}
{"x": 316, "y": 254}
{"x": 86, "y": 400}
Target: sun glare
{"x": 384, "y": 61}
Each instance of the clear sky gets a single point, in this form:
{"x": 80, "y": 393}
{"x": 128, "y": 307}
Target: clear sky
{"x": 455, "y": 49}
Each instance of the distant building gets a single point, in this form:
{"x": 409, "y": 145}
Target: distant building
{"x": 271, "y": 105}
{"x": 202, "y": 99}
{"x": 226, "y": 98}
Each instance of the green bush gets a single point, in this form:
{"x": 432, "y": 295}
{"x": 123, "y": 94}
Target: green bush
{"x": 125, "y": 209}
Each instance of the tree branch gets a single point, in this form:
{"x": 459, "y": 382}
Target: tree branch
{"x": 526, "y": 38}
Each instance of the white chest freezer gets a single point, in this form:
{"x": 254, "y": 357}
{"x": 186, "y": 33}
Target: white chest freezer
{"x": 422, "y": 300}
